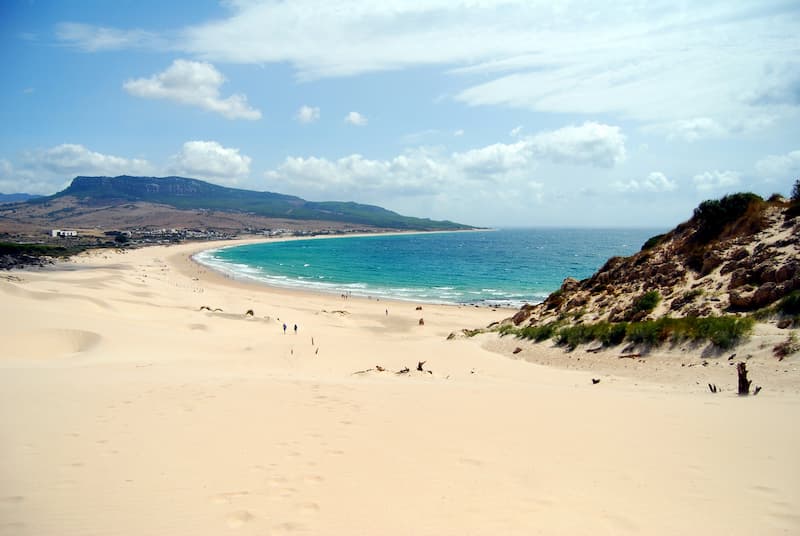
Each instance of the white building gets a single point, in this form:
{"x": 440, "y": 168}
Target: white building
{"x": 59, "y": 233}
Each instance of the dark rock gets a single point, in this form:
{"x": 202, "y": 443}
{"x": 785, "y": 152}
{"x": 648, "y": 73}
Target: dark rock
{"x": 739, "y": 254}
{"x": 739, "y": 277}
{"x": 521, "y": 316}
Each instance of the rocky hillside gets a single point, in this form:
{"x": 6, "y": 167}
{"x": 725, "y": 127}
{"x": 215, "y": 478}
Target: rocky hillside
{"x": 736, "y": 254}
{"x": 89, "y": 194}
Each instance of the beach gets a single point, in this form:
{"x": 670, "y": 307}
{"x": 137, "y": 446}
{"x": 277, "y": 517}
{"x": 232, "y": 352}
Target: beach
{"x": 138, "y": 396}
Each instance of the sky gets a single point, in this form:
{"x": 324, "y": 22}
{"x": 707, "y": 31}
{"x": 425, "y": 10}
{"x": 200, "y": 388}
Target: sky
{"x": 491, "y": 113}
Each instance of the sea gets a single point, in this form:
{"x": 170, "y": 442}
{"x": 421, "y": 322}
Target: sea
{"x": 497, "y": 268}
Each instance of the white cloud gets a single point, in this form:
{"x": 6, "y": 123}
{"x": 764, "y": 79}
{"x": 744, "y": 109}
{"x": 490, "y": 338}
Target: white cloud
{"x": 779, "y": 166}
{"x": 690, "y": 130}
{"x": 96, "y": 38}
{"x": 210, "y": 160}
{"x": 716, "y": 180}
{"x": 196, "y": 84}
{"x": 648, "y": 61}
{"x": 654, "y": 182}
{"x": 355, "y": 118}
{"x": 45, "y": 171}
{"x": 515, "y": 131}
{"x": 307, "y": 114}
{"x": 458, "y": 133}
{"x": 591, "y": 143}
{"x": 426, "y": 171}
{"x": 75, "y": 159}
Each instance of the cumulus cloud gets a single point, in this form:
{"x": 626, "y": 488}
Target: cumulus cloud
{"x": 307, "y": 114}
{"x": 654, "y": 182}
{"x": 591, "y": 143}
{"x": 196, "y": 84}
{"x": 210, "y": 160}
{"x": 515, "y": 131}
{"x": 97, "y": 38}
{"x": 427, "y": 171}
{"x": 45, "y": 171}
{"x": 716, "y": 180}
{"x": 75, "y": 159}
{"x": 779, "y": 166}
{"x": 355, "y": 118}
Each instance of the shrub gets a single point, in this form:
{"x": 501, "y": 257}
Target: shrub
{"x": 647, "y": 332}
{"x": 538, "y": 333}
{"x": 790, "y": 304}
{"x": 646, "y": 302}
{"x": 653, "y": 242}
{"x": 713, "y": 216}
{"x": 796, "y": 191}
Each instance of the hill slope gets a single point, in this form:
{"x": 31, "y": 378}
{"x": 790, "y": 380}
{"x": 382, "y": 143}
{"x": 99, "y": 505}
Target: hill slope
{"x": 737, "y": 254}
{"x": 192, "y": 194}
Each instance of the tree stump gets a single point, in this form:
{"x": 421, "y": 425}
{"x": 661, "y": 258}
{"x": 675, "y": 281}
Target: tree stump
{"x": 744, "y": 383}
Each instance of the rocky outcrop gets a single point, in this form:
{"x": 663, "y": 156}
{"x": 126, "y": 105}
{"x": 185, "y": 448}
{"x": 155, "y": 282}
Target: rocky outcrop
{"x": 748, "y": 263}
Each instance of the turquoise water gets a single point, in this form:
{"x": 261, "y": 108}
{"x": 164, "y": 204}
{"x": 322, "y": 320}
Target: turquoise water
{"x": 498, "y": 268}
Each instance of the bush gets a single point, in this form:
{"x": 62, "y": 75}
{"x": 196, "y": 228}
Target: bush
{"x": 713, "y": 216}
{"x": 790, "y": 304}
{"x": 646, "y": 302}
{"x": 538, "y": 333}
{"x": 653, "y": 242}
{"x": 796, "y": 191}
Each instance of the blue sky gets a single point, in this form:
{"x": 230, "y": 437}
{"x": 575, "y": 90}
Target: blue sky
{"x": 499, "y": 113}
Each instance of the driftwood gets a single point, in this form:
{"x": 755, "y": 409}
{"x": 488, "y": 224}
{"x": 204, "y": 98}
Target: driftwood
{"x": 419, "y": 366}
{"x": 595, "y": 381}
{"x": 630, "y": 356}
{"x": 419, "y": 308}
{"x": 379, "y": 368}
{"x": 404, "y": 370}
{"x": 712, "y": 388}
{"x": 744, "y": 383}
{"x": 363, "y": 371}
{"x": 517, "y": 350}
{"x": 594, "y": 350}
{"x": 249, "y": 313}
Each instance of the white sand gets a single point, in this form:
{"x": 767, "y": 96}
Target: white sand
{"x": 124, "y": 409}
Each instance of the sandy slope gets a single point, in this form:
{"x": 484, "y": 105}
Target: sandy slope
{"x": 124, "y": 409}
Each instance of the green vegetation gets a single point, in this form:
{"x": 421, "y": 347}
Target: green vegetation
{"x": 790, "y": 304}
{"x": 713, "y": 216}
{"x": 723, "y": 331}
{"x": 646, "y": 302}
{"x": 653, "y": 242}
{"x": 38, "y": 250}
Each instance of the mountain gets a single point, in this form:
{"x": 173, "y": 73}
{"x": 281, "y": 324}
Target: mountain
{"x": 737, "y": 257}
{"x": 16, "y": 198}
{"x": 192, "y": 194}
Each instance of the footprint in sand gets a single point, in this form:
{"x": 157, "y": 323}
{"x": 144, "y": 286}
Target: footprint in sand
{"x": 239, "y": 518}
{"x": 229, "y": 497}
{"x": 308, "y": 507}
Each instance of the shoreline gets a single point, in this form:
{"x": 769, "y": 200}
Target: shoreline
{"x": 127, "y": 409}
{"x": 358, "y": 294}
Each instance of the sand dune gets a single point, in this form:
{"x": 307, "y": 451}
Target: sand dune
{"x": 159, "y": 417}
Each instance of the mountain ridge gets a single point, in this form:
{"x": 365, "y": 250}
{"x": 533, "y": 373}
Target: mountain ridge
{"x": 188, "y": 194}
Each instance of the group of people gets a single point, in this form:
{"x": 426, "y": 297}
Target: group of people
{"x": 285, "y": 327}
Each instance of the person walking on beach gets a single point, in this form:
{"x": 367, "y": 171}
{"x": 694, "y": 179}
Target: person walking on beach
{"x": 295, "y": 329}
{"x": 284, "y": 328}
